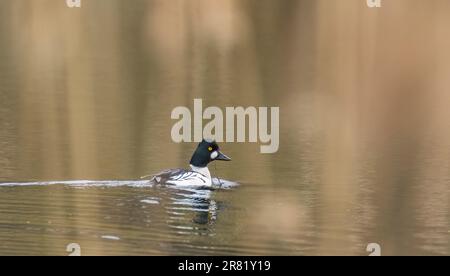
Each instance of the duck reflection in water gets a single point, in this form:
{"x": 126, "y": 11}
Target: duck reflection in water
{"x": 195, "y": 203}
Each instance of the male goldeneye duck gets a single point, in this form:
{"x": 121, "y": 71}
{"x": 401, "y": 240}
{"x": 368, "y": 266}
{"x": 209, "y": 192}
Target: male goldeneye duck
{"x": 199, "y": 175}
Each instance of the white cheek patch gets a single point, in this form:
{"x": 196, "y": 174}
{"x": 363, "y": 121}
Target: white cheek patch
{"x": 214, "y": 155}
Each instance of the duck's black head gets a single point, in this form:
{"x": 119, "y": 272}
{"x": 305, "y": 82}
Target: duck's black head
{"x": 206, "y": 152}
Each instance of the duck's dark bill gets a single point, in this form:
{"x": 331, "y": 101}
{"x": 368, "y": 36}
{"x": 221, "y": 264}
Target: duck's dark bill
{"x": 223, "y": 157}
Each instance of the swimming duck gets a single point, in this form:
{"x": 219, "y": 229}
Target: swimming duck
{"x": 199, "y": 175}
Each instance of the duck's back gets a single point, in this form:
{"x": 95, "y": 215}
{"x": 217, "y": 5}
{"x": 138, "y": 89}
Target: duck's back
{"x": 181, "y": 177}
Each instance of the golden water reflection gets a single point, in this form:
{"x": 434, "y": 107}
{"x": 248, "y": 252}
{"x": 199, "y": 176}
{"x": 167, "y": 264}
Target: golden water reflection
{"x": 364, "y": 152}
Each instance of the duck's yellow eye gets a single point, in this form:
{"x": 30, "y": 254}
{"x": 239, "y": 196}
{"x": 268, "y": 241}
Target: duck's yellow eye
{"x": 210, "y": 148}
